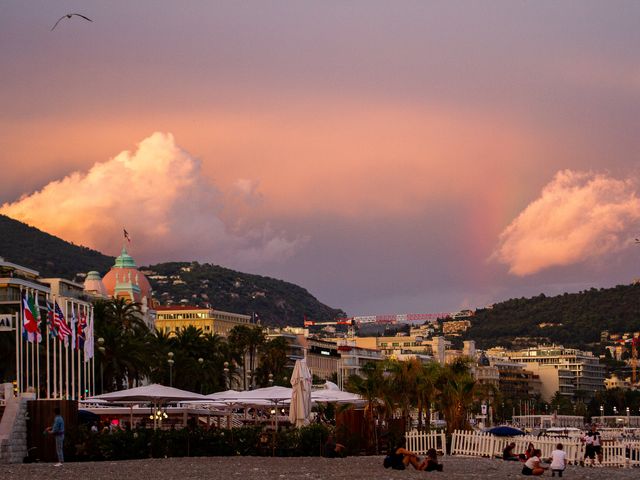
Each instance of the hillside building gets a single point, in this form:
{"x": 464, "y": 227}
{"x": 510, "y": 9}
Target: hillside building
{"x": 170, "y": 319}
{"x": 124, "y": 280}
{"x": 576, "y": 371}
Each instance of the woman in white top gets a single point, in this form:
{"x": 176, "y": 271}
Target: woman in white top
{"x": 532, "y": 465}
{"x": 558, "y": 461}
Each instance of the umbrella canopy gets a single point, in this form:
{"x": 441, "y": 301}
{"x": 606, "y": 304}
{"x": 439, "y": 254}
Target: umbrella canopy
{"x": 300, "y": 407}
{"x": 222, "y": 396}
{"x": 153, "y": 393}
{"x": 505, "y": 431}
{"x": 335, "y": 396}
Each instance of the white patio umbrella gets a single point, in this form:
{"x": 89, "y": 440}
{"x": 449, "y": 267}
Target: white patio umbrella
{"x": 155, "y": 394}
{"x": 336, "y": 396}
{"x": 300, "y": 407}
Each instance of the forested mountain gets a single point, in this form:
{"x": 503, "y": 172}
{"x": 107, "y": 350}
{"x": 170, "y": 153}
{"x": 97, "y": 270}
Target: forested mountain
{"x": 276, "y": 302}
{"x": 572, "y": 319}
{"x": 49, "y": 255}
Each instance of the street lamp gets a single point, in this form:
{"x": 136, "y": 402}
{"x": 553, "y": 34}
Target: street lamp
{"x": 226, "y": 374}
{"x": 170, "y": 361}
{"x": 271, "y": 382}
{"x": 101, "y": 349}
{"x": 602, "y": 414}
{"x": 201, "y": 362}
{"x": 628, "y": 417}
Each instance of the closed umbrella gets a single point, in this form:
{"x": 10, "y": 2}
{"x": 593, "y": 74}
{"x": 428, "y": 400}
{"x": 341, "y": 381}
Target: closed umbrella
{"x": 300, "y": 407}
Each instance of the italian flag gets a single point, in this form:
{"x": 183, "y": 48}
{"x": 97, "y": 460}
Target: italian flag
{"x": 31, "y": 319}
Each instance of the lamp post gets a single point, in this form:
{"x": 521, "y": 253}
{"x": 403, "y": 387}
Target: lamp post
{"x": 602, "y": 414}
{"x": 201, "y": 362}
{"x": 628, "y": 417}
{"x": 226, "y": 374}
{"x": 170, "y": 361}
{"x": 101, "y": 349}
{"x": 271, "y": 382}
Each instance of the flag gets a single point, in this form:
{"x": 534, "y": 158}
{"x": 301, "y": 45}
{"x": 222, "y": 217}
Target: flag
{"x": 80, "y": 335}
{"x": 31, "y": 330}
{"x": 126, "y": 235}
{"x": 36, "y": 311}
{"x": 88, "y": 341}
{"x": 72, "y": 326}
{"x": 53, "y": 330}
{"x": 60, "y": 323}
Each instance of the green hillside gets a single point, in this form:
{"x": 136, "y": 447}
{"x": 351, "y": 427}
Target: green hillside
{"x": 49, "y": 255}
{"x": 572, "y": 319}
{"x": 276, "y": 302}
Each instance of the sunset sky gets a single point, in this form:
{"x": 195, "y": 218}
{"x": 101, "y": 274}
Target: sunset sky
{"x": 390, "y": 157}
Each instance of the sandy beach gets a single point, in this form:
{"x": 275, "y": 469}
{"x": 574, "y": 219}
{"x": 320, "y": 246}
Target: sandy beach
{"x": 303, "y": 468}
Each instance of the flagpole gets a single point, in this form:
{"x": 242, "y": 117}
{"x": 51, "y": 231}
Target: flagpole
{"x": 66, "y": 350}
{"x": 38, "y": 340}
{"x": 60, "y": 369}
{"x": 18, "y": 369}
{"x": 46, "y": 332}
{"x": 73, "y": 345}
{"x": 24, "y": 349}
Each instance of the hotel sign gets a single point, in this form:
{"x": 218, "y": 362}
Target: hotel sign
{"x": 6, "y": 323}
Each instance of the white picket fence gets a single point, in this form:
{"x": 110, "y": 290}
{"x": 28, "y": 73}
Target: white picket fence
{"x": 420, "y": 442}
{"x": 481, "y": 444}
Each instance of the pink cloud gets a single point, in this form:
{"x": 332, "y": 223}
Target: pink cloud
{"x": 578, "y": 216}
{"x": 158, "y": 193}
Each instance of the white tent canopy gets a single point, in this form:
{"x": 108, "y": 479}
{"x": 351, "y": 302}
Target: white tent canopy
{"x": 154, "y": 393}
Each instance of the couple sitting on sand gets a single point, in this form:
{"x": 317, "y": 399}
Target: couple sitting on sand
{"x": 400, "y": 458}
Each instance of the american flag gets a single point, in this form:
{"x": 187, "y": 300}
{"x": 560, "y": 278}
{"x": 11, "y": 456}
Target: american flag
{"x": 60, "y": 323}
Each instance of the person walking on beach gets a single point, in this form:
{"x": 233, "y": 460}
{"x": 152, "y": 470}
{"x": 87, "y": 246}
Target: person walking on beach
{"x": 558, "y": 461}
{"x": 57, "y": 430}
{"x": 596, "y": 442}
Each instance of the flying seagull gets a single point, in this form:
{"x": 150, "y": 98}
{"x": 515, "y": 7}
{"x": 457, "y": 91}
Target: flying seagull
{"x": 69, "y": 15}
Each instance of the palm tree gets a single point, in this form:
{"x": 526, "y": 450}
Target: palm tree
{"x": 244, "y": 341}
{"x": 272, "y": 361}
{"x": 126, "y": 357}
{"x": 426, "y": 391}
{"x": 370, "y": 385}
{"x": 456, "y": 388}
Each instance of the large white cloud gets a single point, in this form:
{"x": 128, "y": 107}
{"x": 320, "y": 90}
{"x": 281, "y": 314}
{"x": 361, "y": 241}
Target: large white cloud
{"x": 157, "y": 193}
{"x": 578, "y": 216}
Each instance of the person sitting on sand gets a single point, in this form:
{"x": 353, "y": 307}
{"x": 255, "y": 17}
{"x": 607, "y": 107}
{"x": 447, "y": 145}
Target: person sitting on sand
{"x": 507, "y": 453}
{"x": 399, "y": 458}
{"x": 431, "y": 462}
{"x": 532, "y": 465}
{"x": 529, "y": 452}
{"x": 558, "y": 461}
{"x": 332, "y": 449}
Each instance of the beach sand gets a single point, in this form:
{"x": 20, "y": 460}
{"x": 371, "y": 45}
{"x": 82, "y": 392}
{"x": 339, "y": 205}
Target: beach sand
{"x": 299, "y": 468}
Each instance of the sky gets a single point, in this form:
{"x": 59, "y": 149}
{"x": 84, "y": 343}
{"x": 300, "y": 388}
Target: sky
{"x": 390, "y": 157}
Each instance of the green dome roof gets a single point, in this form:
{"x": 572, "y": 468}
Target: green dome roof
{"x": 124, "y": 260}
